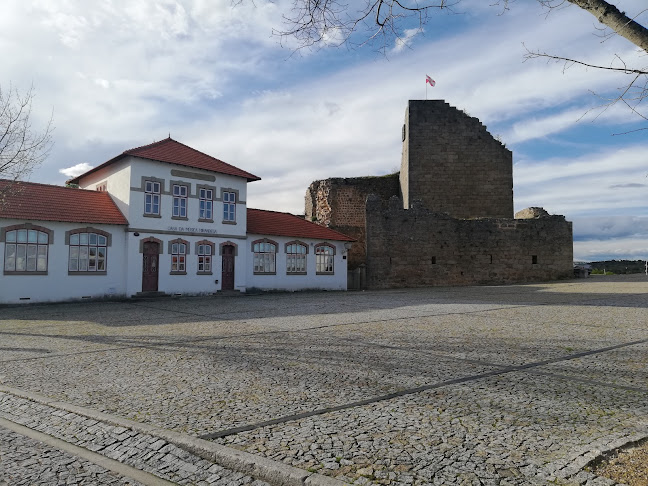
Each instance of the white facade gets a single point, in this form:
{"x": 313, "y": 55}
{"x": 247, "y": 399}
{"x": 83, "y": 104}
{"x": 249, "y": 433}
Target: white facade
{"x": 157, "y": 228}
{"x": 284, "y": 280}
{"x": 57, "y": 283}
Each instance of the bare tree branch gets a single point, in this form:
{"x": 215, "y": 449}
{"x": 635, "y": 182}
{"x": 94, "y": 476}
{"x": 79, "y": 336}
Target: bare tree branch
{"x": 333, "y": 22}
{"x": 21, "y": 148}
{"x": 631, "y": 95}
{"x": 625, "y": 69}
{"x": 618, "y": 21}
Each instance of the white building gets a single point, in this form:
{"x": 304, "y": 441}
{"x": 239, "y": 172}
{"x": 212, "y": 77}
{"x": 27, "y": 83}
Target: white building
{"x": 159, "y": 218}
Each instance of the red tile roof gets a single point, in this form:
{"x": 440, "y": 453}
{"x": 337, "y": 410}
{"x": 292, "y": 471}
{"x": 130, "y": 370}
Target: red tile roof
{"x": 261, "y": 222}
{"x": 173, "y": 152}
{"x": 32, "y": 201}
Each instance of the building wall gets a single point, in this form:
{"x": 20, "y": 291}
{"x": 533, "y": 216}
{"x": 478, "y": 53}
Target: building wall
{"x": 125, "y": 180}
{"x": 190, "y": 283}
{"x": 193, "y": 178}
{"x": 453, "y": 165}
{"x": 117, "y": 178}
{"x": 418, "y": 247}
{"x": 340, "y": 204}
{"x": 59, "y": 284}
{"x": 283, "y": 281}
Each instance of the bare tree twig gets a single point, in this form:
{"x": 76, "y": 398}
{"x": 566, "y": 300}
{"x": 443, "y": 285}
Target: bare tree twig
{"x": 21, "y": 148}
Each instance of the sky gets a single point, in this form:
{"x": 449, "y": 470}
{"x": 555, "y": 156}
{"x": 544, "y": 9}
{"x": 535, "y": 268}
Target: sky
{"x": 118, "y": 74}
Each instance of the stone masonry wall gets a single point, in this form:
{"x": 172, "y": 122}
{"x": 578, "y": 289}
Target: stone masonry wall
{"x": 453, "y": 165}
{"x": 418, "y": 247}
{"x": 339, "y": 204}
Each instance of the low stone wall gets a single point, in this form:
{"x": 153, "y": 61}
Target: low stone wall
{"x": 417, "y": 247}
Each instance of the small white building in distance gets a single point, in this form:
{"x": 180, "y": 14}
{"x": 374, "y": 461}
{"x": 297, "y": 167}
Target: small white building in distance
{"x": 159, "y": 218}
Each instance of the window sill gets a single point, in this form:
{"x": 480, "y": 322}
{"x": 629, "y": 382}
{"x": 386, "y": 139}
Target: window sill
{"x": 70, "y": 272}
{"x": 265, "y": 273}
{"x": 9, "y": 272}
{"x": 324, "y": 273}
{"x": 296, "y": 273}
{"x": 204, "y": 273}
{"x": 152, "y": 215}
{"x": 177, "y": 273}
{"x": 203, "y": 220}
{"x": 180, "y": 218}
{"x": 229, "y": 222}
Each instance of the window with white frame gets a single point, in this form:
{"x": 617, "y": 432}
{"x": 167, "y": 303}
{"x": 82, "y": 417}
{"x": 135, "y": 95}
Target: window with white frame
{"x": 205, "y": 252}
{"x": 324, "y": 258}
{"x": 152, "y": 198}
{"x": 264, "y": 257}
{"x": 296, "y": 258}
{"x": 88, "y": 252}
{"x": 229, "y": 206}
{"x": 179, "y": 201}
{"x": 26, "y": 250}
{"x": 178, "y": 257}
{"x": 206, "y": 203}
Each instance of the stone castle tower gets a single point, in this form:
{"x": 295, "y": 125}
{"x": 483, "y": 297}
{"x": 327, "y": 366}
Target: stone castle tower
{"x": 452, "y": 165}
{"x": 447, "y": 218}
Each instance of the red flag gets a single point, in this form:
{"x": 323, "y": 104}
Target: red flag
{"x": 428, "y": 79}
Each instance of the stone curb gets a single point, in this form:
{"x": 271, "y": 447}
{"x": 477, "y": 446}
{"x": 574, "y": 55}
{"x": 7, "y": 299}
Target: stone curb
{"x": 107, "y": 463}
{"x": 273, "y": 472}
{"x": 577, "y": 462}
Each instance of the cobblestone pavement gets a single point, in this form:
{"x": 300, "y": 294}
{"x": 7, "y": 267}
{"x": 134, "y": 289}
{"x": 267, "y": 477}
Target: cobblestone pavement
{"x": 141, "y": 451}
{"x": 24, "y": 461}
{"x": 519, "y": 384}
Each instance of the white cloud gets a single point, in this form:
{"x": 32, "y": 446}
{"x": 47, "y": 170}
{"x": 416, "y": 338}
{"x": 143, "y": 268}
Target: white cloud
{"x": 611, "y": 249}
{"x": 600, "y": 168}
{"x": 405, "y": 40}
{"x": 76, "y": 170}
{"x": 103, "y": 83}
{"x": 538, "y": 127}
{"x": 606, "y": 227}
{"x": 211, "y": 73}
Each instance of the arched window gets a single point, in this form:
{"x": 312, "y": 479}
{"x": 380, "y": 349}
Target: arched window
{"x": 324, "y": 258}
{"x": 205, "y": 251}
{"x": 88, "y": 251}
{"x": 179, "y": 249}
{"x": 296, "y": 252}
{"x": 264, "y": 256}
{"x": 26, "y": 248}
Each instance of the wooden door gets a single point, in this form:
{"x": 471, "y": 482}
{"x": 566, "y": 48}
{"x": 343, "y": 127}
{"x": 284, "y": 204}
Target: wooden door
{"x": 150, "y": 266}
{"x": 228, "y": 268}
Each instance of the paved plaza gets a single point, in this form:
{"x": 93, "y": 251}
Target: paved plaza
{"x": 507, "y": 385}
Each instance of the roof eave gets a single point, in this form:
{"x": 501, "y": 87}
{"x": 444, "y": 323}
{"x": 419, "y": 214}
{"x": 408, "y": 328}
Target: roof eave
{"x": 78, "y": 178}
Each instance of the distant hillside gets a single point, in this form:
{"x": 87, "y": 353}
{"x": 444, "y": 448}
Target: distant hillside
{"x": 620, "y": 266}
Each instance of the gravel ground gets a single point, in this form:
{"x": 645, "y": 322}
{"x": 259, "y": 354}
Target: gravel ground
{"x": 628, "y": 466}
{"x": 478, "y": 385}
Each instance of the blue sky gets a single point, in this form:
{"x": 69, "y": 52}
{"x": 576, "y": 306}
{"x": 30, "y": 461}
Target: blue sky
{"x": 120, "y": 74}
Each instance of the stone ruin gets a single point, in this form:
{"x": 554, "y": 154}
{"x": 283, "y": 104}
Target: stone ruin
{"x": 447, "y": 217}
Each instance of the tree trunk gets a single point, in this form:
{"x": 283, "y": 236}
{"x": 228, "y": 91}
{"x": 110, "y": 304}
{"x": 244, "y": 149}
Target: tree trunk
{"x": 618, "y": 21}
